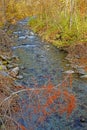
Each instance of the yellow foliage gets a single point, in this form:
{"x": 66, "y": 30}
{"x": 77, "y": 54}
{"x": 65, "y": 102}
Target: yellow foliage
{"x": 68, "y": 17}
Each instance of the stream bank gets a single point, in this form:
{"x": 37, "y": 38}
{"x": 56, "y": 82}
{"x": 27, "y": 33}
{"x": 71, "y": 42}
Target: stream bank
{"x": 8, "y": 74}
{"x": 77, "y": 56}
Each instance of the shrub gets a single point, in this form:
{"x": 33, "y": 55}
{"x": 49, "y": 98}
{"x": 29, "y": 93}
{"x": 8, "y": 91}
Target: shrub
{"x": 39, "y": 103}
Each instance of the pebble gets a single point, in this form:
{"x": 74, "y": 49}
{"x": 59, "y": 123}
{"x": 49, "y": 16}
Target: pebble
{"x": 4, "y": 73}
{"x": 67, "y": 65}
{"x": 77, "y": 56}
{"x": 69, "y": 72}
{"x": 3, "y": 57}
{"x": 81, "y": 71}
{"x": 83, "y": 76}
{"x": 31, "y": 33}
{"x": 82, "y": 119}
{"x": 19, "y": 77}
{"x": 15, "y": 57}
{"x": 14, "y": 72}
{"x": 9, "y": 66}
{"x": 22, "y": 67}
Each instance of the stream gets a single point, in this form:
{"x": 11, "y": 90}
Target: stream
{"x": 40, "y": 62}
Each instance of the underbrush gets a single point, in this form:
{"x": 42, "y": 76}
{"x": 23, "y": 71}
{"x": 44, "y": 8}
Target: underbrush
{"x": 12, "y": 11}
{"x": 59, "y": 22}
{"x": 34, "y": 105}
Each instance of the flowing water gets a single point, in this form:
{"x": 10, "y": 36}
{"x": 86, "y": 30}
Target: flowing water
{"x": 40, "y": 61}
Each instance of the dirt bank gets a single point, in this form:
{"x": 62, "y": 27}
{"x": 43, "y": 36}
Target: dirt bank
{"x": 7, "y": 85}
{"x": 5, "y": 43}
{"x": 77, "y": 56}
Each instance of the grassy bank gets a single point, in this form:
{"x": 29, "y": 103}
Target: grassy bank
{"x": 59, "y": 34}
{"x": 61, "y": 23}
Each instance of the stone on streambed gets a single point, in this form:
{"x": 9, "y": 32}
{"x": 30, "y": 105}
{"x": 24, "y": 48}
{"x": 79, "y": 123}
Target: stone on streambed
{"x": 84, "y": 76}
{"x": 31, "y": 33}
{"x": 19, "y": 77}
{"x": 22, "y": 37}
{"x": 69, "y": 72}
{"x": 10, "y": 66}
{"x": 14, "y": 72}
{"x": 14, "y": 57}
{"x": 4, "y": 73}
{"x": 22, "y": 67}
{"x": 81, "y": 71}
{"x": 18, "y": 32}
{"x": 5, "y": 58}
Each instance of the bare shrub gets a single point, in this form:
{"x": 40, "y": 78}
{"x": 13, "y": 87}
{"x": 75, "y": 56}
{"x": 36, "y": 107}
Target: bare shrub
{"x": 36, "y": 104}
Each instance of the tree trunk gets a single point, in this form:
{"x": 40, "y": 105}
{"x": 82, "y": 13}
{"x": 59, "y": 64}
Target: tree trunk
{"x": 4, "y": 11}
